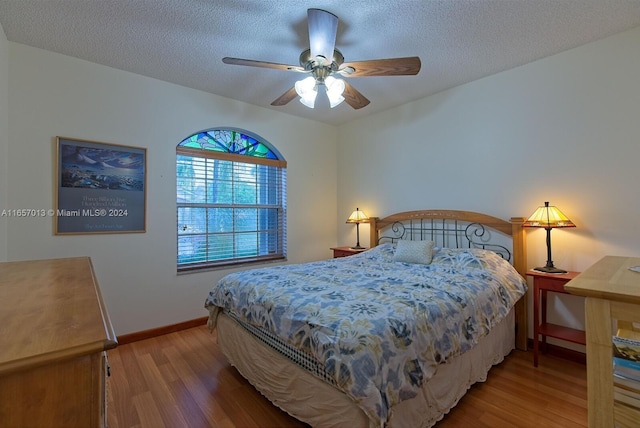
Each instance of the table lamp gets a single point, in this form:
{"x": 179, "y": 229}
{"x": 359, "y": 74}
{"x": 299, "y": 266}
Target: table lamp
{"x": 358, "y": 217}
{"x": 548, "y": 217}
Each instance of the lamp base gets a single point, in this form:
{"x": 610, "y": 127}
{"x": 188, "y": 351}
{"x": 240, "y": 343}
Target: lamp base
{"x": 357, "y": 247}
{"x": 551, "y": 269}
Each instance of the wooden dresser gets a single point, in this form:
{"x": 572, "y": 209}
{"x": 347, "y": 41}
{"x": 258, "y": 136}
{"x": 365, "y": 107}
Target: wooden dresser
{"x": 54, "y": 331}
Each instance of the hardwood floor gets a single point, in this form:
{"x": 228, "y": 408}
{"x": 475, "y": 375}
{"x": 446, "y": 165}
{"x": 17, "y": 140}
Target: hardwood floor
{"x": 183, "y": 380}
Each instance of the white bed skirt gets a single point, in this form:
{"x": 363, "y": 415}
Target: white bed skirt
{"x": 320, "y": 404}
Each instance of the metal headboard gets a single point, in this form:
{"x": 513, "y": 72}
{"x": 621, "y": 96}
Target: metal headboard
{"x": 455, "y": 229}
{"x": 446, "y": 233}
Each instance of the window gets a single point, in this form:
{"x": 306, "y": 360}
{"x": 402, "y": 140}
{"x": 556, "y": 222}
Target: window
{"x": 231, "y": 200}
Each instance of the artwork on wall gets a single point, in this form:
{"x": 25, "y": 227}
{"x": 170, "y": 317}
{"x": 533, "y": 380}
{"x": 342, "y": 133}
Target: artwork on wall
{"x": 100, "y": 188}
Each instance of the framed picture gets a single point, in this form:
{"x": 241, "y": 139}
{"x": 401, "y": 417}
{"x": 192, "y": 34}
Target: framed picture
{"x": 101, "y": 188}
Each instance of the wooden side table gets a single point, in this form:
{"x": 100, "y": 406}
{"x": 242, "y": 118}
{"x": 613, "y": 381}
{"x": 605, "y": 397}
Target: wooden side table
{"x": 543, "y": 283}
{"x": 345, "y": 251}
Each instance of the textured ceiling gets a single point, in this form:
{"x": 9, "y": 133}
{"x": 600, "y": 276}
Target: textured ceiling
{"x": 184, "y": 41}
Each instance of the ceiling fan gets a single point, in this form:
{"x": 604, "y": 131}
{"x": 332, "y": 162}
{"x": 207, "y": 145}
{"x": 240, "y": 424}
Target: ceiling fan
{"x": 323, "y": 62}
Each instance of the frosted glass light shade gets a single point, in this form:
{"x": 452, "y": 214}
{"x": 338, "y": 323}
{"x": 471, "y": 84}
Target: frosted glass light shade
{"x": 307, "y": 90}
{"x": 335, "y": 88}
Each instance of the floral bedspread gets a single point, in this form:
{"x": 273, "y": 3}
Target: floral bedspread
{"x": 380, "y": 327}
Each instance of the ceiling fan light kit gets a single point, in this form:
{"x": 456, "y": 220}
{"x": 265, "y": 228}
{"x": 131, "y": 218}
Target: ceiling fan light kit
{"x": 323, "y": 60}
{"x": 307, "y": 89}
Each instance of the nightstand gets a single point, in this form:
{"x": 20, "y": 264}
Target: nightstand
{"x": 543, "y": 283}
{"x": 345, "y": 251}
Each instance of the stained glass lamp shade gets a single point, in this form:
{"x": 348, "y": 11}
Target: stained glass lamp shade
{"x": 548, "y": 217}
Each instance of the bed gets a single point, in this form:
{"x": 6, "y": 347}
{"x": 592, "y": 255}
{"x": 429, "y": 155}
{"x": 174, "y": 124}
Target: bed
{"x": 393, "y": 336}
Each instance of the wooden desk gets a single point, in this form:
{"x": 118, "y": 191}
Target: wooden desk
{"x": 612, "y": 294}
{"x": 54, "y": 333}
{"x": 542, "y": 284}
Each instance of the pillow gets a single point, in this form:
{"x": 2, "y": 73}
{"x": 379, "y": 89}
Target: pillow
{"x": 414, "y": 252}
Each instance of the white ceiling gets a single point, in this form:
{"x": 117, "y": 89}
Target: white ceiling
{"x": 184, "y": 41}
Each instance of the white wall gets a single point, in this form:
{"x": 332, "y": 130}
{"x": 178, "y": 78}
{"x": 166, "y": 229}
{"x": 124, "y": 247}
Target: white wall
{"x": 54, "y": 95}
{"x": 4, "y": 134}
{"x": 564, "y": 129}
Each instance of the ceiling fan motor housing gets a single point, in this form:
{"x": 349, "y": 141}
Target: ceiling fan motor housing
{"x": 309, "y": 63}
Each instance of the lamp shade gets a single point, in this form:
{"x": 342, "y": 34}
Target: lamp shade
{"x": 548, "y": 217}
{"x": 358, "y": 217}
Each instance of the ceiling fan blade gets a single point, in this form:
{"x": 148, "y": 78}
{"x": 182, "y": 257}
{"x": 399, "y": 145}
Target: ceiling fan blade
{"x": 262, "y": 64}
{"x": 382, "y": 67}
{"x": 323, "y": 27}
{"x": 353, "y": 97}
{"x": 285, "y": 98}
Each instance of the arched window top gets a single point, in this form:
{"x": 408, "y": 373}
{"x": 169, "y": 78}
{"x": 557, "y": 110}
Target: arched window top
{"x": 232, "y": 141}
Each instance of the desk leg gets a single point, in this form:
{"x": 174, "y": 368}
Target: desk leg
{"x": 599, "y": 367}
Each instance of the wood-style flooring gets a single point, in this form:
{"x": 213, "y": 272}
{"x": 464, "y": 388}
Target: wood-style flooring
{"x": 183, "y": 380}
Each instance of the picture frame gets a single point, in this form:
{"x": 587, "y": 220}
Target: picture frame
{"x": 100, "y": 188}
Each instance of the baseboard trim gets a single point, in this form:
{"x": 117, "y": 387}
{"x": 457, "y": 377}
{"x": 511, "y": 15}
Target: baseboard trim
{"x": 159, "y": 331}
{"x": 559, "y": 351}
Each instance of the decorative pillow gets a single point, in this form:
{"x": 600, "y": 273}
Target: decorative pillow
{"x": 414, "y": 252}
